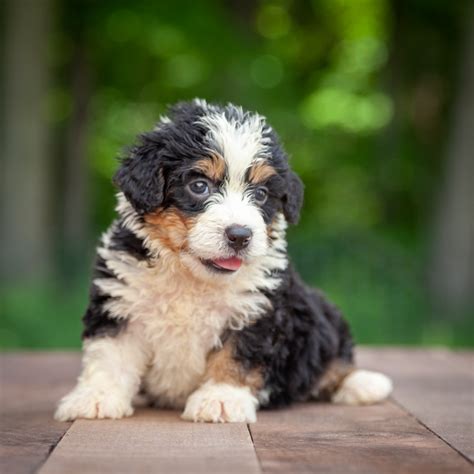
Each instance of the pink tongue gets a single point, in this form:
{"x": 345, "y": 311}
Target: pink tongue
{"x": 232, "y": 263}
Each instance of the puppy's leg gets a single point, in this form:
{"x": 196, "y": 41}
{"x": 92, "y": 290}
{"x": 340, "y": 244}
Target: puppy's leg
{"x": 228, "y": 392}
{"x": 344, "y": 384}
{"x": 112, "y": 369}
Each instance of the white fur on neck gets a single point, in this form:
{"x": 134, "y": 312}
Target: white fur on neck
{"x": 181, "y": 317}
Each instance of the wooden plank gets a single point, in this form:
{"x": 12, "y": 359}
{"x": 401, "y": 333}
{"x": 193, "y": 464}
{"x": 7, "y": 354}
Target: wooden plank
{"x": 30, "y": 386}
{"x": 153, "y": 441}
{"x": 436, "y": 386}
{"x": 327, "y": 438}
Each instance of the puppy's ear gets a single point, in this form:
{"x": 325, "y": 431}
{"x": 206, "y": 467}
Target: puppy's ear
{"x": 293, "y": 199}
{"x": 140, "y": 176}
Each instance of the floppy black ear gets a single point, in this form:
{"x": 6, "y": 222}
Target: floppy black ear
{"x": 293, "y": 200}
{"x": 140, "y": 176}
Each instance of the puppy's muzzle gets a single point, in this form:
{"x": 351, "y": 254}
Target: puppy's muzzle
{"x": 238, "y": 236}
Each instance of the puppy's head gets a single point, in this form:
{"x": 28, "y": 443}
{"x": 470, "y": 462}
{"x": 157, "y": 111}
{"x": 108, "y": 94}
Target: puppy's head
{"x": 209, "y": 184}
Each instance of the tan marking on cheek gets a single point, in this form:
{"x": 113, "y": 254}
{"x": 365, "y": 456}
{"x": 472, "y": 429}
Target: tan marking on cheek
{"x": 223, "y": 368}
{"x": 213, "y": 167}
{"x": 260, "y": 172}
{"x": 332, "y": 379}
{"x": 171, "y": 227}
{"x": 270, "y": 228}
{"x": 271, "y": 231}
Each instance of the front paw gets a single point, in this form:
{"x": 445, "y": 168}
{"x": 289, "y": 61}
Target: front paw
{"x": 86, "y": 402}
{"x": 220, "y": 403}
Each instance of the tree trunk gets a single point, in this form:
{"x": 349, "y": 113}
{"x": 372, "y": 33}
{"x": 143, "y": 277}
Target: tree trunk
{"x": 452, "y": 276}
{"x": 25, "y": 229}
{"x": 77, "y": 202}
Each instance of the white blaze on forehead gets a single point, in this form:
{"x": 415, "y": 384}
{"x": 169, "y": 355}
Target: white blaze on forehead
{"x": 207, "y": 237}
{"x": 239, "y": 140}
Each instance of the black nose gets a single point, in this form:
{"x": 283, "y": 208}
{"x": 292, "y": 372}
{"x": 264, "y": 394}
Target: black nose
{"x": 238, "y": 236}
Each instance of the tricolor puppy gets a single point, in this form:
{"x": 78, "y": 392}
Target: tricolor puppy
{"x": 193, "y": 301}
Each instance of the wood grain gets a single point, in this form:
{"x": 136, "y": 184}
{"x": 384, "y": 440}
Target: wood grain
{"x": 153, "y": 441}
{"x": 436, "y": 386}
{"x": 30, "y": 386}
{"x": 327, "y": 438}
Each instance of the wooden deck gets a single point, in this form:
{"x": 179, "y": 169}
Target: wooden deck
{"x": 428, "y": 426}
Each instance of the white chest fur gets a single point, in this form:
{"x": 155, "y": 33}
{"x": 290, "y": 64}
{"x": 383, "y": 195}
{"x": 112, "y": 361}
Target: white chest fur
{"x": 177, "y": 319}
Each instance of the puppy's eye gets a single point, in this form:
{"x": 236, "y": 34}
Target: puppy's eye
{"x": 260, "y": 195}
{"x": 199, "y": 188}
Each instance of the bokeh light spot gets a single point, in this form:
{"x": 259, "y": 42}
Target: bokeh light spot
{"x": 184, "y": 70}
{"x": 266, "y": 71}
{"x": 273, "y": 21}
{"x": 165, "y": 40}
{"x": 333, "y": 107}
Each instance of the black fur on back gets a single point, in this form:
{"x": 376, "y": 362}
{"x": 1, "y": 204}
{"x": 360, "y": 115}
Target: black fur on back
{"x": 293, "y": 343}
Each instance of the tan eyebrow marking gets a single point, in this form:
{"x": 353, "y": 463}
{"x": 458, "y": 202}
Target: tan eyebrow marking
{"x": 260, "y": 172}
{"x": 213, "y": 167}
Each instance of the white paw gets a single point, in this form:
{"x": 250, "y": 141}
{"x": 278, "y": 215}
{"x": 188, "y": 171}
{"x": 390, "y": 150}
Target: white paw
{"x": 85, "y": 402}
{"x": 363, "y": 387}
{"x": 220, "y": 403}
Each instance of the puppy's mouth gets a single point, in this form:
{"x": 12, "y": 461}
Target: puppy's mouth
{"x": 224, "y": 265}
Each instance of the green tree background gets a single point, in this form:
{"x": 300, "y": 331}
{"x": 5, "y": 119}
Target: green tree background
{"x": 371, "y": 99}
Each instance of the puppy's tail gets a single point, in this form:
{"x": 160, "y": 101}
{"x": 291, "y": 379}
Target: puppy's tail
{"x": 343, "y": 384}
{"x": 363, "y": 387}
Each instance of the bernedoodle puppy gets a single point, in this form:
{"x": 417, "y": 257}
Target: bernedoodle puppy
{"x": 193, "y": 300}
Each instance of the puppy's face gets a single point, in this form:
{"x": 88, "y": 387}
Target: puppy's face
{"x": 210, "y": 183}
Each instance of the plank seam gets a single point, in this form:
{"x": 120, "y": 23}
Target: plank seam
{"x": 250, "y": 433}
{"x": 52, "y": 448}
{"x": 408, "y": 412}
{"x": 254, "y": 448}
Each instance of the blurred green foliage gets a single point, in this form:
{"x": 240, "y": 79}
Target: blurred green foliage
{"x": 338, "y": 79}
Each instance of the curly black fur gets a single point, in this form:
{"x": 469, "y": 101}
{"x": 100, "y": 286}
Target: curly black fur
{"x": 294, "y": 342}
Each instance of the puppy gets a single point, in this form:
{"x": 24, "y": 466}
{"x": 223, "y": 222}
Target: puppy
{"x": 193, "y": 300}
